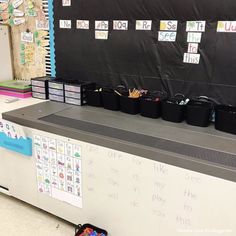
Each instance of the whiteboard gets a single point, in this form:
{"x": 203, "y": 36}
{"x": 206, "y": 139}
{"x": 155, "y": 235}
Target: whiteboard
{"x": 6, "y": 69}
{"x": 129, "y": 195}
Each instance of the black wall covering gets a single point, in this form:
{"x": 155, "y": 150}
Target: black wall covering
{"x": 137, "y": 58}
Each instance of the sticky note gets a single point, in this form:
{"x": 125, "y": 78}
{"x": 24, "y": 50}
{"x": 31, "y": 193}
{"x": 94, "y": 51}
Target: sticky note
{"x": 168, "y": 25}
{"x": 195, "y": 26}
{"x": 143, "y": 25}
{"x": 191, "y": 58}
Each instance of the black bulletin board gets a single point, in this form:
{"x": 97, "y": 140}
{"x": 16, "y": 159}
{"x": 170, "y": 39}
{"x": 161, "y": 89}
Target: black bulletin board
{"x": 137, "y": 58}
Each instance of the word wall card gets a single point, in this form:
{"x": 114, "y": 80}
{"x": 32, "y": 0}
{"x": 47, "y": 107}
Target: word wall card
{"x": 58, "y": 165}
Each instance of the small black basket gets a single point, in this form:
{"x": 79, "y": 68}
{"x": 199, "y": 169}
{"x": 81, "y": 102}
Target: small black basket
{"x": 111, "y": 101}
{"x": 199, "y": 112}
{"x": 94, "y": 98}
{"x": 150, "y": 108}
{"x": 80, "y": 229}
{"x": 225, "y": 118}
{"x": 172, "y": 110}
{"x": 129, "y": 105}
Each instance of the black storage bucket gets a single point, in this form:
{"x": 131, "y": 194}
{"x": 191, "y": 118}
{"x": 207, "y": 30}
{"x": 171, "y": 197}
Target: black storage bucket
{"x": 199, "y": 113}
{"x": 94, "y": 98}
{"x": 225, "y": 119}
{"x": 111, "y": 100}
{"x": 129, "y": 105}
{"x": 80, "y": 229}
{"x": 172, "y": 111}
{"x": 150, "y": 108}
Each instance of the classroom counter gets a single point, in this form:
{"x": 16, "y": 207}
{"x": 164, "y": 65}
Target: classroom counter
{"x": 203, "y": 150}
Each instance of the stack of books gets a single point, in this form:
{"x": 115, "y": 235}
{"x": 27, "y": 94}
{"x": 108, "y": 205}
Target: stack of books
{"x": 14, "y": 88}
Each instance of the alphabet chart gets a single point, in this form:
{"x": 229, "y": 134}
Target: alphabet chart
{"x": 58, "y": 165}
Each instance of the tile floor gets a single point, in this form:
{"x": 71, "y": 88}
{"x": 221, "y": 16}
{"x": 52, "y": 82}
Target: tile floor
{"x": 20, "y": 219}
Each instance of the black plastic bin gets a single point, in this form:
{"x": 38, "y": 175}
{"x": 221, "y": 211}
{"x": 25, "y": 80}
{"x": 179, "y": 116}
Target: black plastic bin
{"x": 225, "y": 118}
{"x": 94, "y": 98}
{"x": 129, "y": 105}
{"x": 111, "y": 101}
{"x": 199, "y": 113}
{"x": 150, "y": 108}
{"x": 80, "y": 229}
{"x": 172, "y": 111}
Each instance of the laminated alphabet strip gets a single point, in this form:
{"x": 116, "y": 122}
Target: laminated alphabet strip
{"x": 143, "y": 25}
{"x": 195, "y": 26}
{"x": 101, "y": 25}
{"x": 82, "y": 24}
{"x": 168, "y": 25}
{"x": 120, "y": 25}
{"x": 226, "y": 26}
{"x": 65, "y": 24}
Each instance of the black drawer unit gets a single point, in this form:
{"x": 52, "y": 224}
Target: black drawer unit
{"x": 56, "y": 90}
{"x": 40, "y": 87}
{"x": 75, "y": 92}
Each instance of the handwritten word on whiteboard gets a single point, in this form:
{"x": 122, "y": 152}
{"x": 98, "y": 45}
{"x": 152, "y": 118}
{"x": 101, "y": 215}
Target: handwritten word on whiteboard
{"x": 168, "y": 25}
{"x": 143, "y": 25}
{"x": 120, "y": 25}
{"x": 196, "y": 26}
{"x": 82, "y": 24}
{"x": 226, "y": 26}
{"x": 65, "y": 24}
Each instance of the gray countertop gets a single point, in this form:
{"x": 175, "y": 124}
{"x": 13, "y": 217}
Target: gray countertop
{"x": 204, "y": 150}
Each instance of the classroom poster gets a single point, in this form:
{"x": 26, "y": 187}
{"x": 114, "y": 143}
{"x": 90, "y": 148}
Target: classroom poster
{"x": 58, "y": 165}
